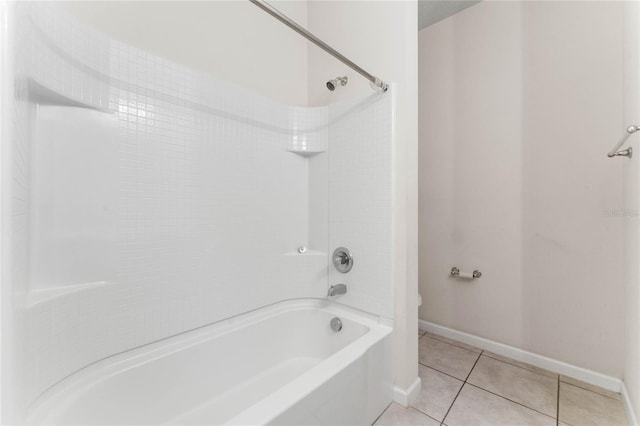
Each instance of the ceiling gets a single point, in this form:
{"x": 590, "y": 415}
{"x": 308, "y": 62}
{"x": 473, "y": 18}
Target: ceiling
{"x": 432, "y": 11}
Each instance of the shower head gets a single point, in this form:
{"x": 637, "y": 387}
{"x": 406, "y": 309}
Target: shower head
{"x": 332, "y": 84}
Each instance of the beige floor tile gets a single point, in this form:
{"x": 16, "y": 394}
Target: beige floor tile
{"x": 581, "y": 407}
{"x": 521, "y": 364}
{"x": 455, "y": 343}
{"x": 449, "y": 359}
{"x": 437, "y": 394}
{"x": 476, "y": 407}
{"x": 517, "y": 384}
{"x": 421, "y": 333}
{"x": 397, "y": 415}
{"x": 592, "y": 388}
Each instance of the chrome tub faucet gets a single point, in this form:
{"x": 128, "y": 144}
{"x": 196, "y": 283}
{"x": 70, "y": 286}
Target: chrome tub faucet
{"x": 337, "y": 289}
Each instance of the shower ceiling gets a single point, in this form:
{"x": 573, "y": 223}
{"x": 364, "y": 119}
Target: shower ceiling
{"x": 432, "y": 11}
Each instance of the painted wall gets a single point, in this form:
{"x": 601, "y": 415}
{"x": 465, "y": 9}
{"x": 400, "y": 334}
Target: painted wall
{"x": 632, "y": 206}
{"x": 519, "y": 103}
{"x": 385, "y": 43}
{"x": 232, "y": 40}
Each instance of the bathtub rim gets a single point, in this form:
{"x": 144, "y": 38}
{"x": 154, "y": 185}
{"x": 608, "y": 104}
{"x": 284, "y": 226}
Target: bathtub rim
{"x": 54, "y": 400}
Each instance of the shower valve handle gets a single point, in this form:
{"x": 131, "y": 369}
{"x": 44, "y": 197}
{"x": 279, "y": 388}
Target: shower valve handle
{"x": 342, "y": 259}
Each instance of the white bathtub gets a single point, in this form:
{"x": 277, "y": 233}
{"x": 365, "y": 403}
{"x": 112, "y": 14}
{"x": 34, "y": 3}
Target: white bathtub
{"x": 282, "y": 364}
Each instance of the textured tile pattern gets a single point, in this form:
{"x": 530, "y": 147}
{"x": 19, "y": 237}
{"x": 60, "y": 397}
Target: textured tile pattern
{"x": 446, "y": 358}
{"x": 520, "y": 364}
{"x": 590, "y": 387}
{"x": 360, "y": 200}
{"x": 437, "y": 394}
{"x": 581, "y": 407}
{"x": 397, "y": 415}
{"x": 477, "y": 407}
{"x": 455, "y": 343}
{"x": 500, "y": 391}
{"x": 516, "y": 384}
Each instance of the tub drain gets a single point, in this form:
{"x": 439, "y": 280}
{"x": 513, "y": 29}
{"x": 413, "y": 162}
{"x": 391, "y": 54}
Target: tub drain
{"x": 336, "y": 324}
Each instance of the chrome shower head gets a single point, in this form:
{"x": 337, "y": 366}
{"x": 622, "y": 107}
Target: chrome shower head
{"x": 338, "y": 81}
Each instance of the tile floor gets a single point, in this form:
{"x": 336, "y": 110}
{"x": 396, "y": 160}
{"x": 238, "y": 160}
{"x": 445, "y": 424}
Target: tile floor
{"x": 464, "y": 385}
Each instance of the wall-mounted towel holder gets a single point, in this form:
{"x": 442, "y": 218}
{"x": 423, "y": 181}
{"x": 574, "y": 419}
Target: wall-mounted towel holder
{"x": 616, "y": 151}
{"x": 469, "y": 275}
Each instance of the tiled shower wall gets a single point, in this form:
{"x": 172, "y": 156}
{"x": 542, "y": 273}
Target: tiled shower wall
{"x": 360, "y": 199}
{"x": 149, "y": 199}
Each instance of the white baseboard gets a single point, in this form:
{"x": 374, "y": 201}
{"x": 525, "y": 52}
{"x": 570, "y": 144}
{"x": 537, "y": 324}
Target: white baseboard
{"x": 560, "y": 367}
{"x": 628, "y": 407}
{"x": 406, "y": 397}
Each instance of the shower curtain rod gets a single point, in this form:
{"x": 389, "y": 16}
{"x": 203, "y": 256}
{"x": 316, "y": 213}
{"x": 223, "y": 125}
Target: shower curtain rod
{"x": 375, "y": 81}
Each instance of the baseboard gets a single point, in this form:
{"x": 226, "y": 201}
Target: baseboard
{"x": 406, "y": 397}
{"x": 628, "y": 407}
{"x": 560, "y": 367}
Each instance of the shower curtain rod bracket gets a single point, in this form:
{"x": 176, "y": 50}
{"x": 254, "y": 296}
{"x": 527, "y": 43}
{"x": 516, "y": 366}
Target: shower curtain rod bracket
{"x": 616, "y": 152}
{"x": 376, "y": 83}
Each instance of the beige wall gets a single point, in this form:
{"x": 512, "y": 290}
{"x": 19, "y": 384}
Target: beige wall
{"x": 519, "y": 102}
{"x": 385, "y": 44}
{"x": 232, "y": 40}
{"x": 632, "y": 204}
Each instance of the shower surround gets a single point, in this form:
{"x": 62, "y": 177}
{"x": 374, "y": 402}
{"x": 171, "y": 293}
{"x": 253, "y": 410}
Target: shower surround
{"x": 149, "y": 199}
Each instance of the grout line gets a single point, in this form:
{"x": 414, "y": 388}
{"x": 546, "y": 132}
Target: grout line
{"x": 482, "y": 352}
{"x": 451, "y": 342}
{"x": 558, "y": 403}
{"x": 591, "y": 390}
{"x": 474, "y": 365}
{"x": 557, "y": 366}
{"x": 532, "y": 369}
{"x": 451, "y": 406}
{"x": 510, "y": 400}
{"x": 422, "y": 412}
{"x": 382, "y": 414}
{"x": 460, "y": 390}
{"x": 439, "y": 371}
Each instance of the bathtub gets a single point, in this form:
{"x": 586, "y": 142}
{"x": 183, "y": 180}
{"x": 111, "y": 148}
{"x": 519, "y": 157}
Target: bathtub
{"x": 281, "y": 364}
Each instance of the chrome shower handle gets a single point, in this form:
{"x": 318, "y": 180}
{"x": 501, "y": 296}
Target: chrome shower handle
{"x": 342, "y": 259}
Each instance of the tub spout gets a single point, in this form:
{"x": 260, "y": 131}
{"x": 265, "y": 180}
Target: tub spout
{"x": 337, "y": 289}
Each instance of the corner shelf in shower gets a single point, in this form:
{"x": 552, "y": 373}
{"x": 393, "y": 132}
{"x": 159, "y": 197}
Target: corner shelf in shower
{"x": 43, "y": 95}
{"x": 306, "y": 153}
{"x": 41, "y": 295}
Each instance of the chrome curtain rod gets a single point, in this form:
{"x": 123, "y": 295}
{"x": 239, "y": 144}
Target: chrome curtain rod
{"x": 375, "y": 81}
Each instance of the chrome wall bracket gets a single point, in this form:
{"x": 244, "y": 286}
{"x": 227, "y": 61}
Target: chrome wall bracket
{"x": 375, "y": 82}
{"x": 623, "y": 153}
{"x": 457, "y": 273}
{"x": 616, "y": 151}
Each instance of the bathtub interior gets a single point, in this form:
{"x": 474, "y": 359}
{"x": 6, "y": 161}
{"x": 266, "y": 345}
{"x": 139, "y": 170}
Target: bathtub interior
{"x": 215, "y": 373}
{"x": 151, "y": 199}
